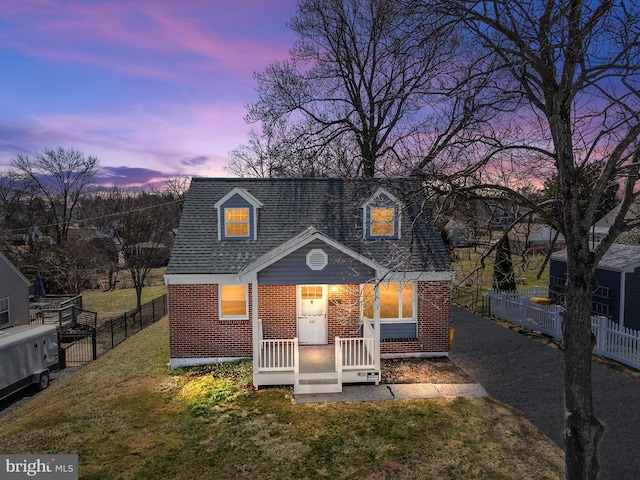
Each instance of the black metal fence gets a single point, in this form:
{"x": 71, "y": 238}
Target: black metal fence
{"x": 78, "y": 348}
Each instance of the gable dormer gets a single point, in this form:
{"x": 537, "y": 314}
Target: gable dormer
{"x": 381, "y": 216}
{"x": 238, "y": 215}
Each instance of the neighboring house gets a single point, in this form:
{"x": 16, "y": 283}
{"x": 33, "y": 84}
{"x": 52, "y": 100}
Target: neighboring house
{"x": 14, "y": 295}
{"x": 458, "y": 233}
{"x": 618, "y": 277}
{"x": 266, "y": 268}
{"x": 534, "y": 238}
{"x": 601, "y": 228}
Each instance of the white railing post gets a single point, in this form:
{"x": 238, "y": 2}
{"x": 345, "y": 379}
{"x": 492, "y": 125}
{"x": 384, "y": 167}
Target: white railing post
{"x": 296, "y": 365}
{"x": 257, "y": 346}
{"x": 338, "y": 359}
{"x": 526, "y": 306}
{"x": 601, "y": 337}
{"x": 557, "y": 322}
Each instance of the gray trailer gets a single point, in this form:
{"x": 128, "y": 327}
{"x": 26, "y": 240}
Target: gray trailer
{"x": 28, "y": 354}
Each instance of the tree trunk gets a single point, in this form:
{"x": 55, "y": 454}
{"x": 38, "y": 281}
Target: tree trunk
{"x": 583, "y": 430}
{"x": 139, "y": 287}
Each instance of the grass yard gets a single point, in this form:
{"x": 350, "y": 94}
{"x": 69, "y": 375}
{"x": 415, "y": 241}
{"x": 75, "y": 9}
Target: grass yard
{"x": 116, "y": 302}
{"x": 473, "y": 280}
{"x": 128, "y": 417}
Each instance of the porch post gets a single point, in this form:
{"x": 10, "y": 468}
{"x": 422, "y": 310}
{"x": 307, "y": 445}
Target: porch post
{"x": 255, "y": 327}
{"x": 376, "y": 324}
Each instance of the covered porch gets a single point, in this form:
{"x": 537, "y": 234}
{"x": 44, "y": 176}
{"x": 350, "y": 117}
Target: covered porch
{"x": 317, "y": 368}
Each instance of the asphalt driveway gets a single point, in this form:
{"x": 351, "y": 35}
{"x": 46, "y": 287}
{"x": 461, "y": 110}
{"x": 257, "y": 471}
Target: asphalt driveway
{"x": 527, "y": 374}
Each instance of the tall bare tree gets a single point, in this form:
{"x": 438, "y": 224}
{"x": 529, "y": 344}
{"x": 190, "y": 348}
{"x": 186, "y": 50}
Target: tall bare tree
{"x": 141, "y": 226}
{"x": 282, "y": 152}
{"x": 61, "y": 177}
{"x": 576, "y": 66}
{"x": 379, "y": 76}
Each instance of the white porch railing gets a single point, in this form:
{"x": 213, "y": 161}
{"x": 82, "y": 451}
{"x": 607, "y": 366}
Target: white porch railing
{"x": 276, "y": 355}
{"x": 356, "y": 353}
{"x": 338, "y": 360}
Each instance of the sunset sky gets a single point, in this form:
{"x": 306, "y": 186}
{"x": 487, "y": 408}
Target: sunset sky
{"x": 150, "y": 87}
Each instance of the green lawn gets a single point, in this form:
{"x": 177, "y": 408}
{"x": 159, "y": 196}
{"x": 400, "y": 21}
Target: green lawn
{"x": 115, "y": 302}
{"x": 474, "y": 275}
{"x": 128, "y": 417}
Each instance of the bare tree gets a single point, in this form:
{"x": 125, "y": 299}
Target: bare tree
{"x": 285, "y": 152}
{"x": 141, "y": 227}
{"x": 379, "y": 76}
{"x": 576, "y": 65}
{"x": 61, "y": 178}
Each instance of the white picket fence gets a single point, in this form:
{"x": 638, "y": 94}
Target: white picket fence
{"x": 612, "y": 341}
{"x": 516, "y": 307}
{"x": 616, "y": 342}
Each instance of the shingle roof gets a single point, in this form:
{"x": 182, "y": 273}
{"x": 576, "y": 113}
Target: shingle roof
{"x": 623, "y": 258}
{"x": 292, "y": 205}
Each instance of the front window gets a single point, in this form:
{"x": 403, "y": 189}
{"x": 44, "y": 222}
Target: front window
{"x": 234, "y": 304}
{"x": 396, "y": 301}
{"x": 236, "y": 222}
{"x": 4, "y": 311}
{"x": 381, "y": 222}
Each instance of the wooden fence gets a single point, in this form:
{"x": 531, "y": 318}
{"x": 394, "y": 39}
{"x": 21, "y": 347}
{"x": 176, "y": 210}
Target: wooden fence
{"x": 612, "y": 340}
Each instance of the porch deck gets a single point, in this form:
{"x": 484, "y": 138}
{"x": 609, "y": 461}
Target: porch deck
{"x": 284, "y": 362}
{"x": 317, "y": 358}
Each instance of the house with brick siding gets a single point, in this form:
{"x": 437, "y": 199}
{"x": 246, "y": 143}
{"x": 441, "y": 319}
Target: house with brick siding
{"x": 315, "y": 279}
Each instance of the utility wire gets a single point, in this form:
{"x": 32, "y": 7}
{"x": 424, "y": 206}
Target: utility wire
{"x": 149, "y": 207}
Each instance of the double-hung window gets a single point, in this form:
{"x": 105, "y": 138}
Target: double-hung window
{"x": 236, "y": 222}
{"x": 381, "y": 222}
{"x": 397, "y": 310}
{"x": 4, "y": 311}
{"x": 396, "y": 301}
{"x": 381, "y": 216}
{"x": 234, "y": 302}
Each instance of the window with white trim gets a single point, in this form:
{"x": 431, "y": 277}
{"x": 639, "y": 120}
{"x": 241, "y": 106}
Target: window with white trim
{"x": 381, "y": 216}
{"x": 236, "y": 222}
{"x": 234, "y": 302}
{"x": 4, "y": 311}
{"x": 396, "y": 301}
{"x": 382, "y": 222}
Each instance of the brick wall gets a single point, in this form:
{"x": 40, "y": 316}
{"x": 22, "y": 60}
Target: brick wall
{"x": 277, "y": 309}
{"x": 195, "y": 331}
{"x": 343, "y": 314}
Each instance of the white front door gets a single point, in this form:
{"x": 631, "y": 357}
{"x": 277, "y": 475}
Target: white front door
{"x": 312, "y": 314}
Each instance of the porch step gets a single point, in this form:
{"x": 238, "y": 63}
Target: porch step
{"x": 326, "y": 382}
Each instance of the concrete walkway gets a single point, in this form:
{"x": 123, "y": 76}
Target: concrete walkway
{"x": 527, "y": 375}
{"x": 367, "y": 393}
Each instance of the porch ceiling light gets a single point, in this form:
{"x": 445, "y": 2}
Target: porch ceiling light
{"x": 317, "y": 259}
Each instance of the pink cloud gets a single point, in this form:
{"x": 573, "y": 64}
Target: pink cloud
{"x": 190, "y": 138}
{"x": 99, "y": 34}
{"x": 203, "y": 52}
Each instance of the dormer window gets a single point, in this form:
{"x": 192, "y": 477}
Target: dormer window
{"x": 236, "y": 222}
{"x": 381, "y": 216}
{"x": 238, "y": 215}
{"x": 381, "y": 222}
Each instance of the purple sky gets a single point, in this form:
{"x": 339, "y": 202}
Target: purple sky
{"x": 150, "y": 87}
